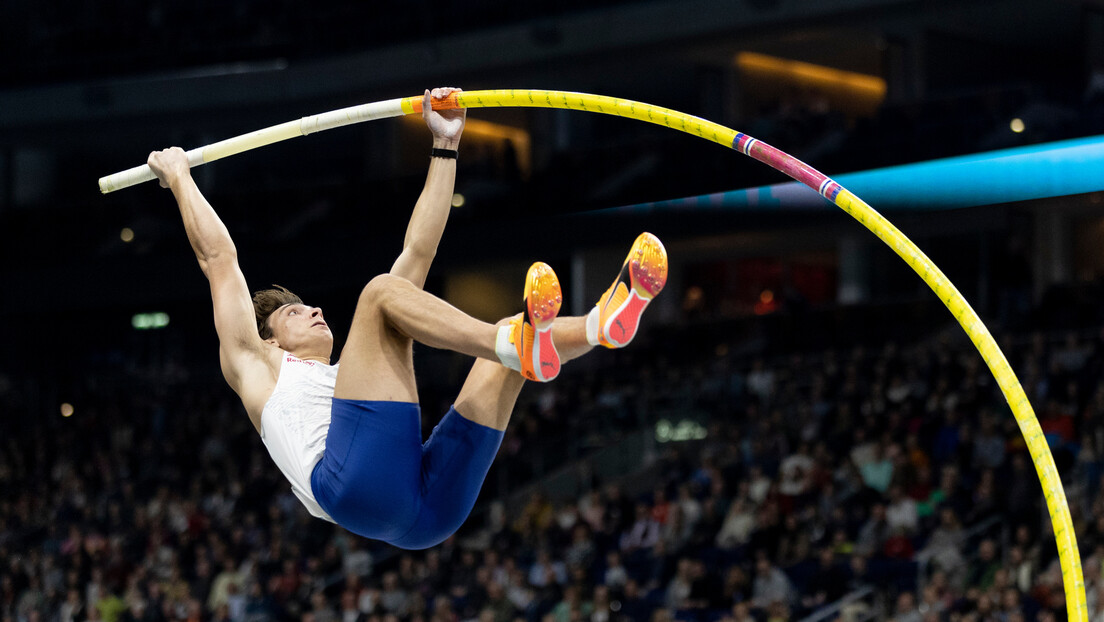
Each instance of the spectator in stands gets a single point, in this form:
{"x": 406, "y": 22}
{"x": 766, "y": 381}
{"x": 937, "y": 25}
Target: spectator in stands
{"x": 678, "y": 588}
{"x": 643, "y": 533}
{"x": 760, "y": 381}
{"x": 634, "y": 604}
{"x": 536, "y": 516}
{"x": 741, "y": 612}
{"x": 878, "y": 472}
{"x": 321, "y": 610}
{"x": 899, "y": 545}
{"x": 348, "y": 611}
{"x": 690, "y": 508}
{"x": 738, "y": 525}
{"x": 619, "y": 510}
{"x": 573, "y": 607}
{"x": 982, "y": 571}
{"x": 758, "y": 484}
{"x": 500, "y": 606}
{"x": 944, "y": 547}
{"x": 661, "y": 506}
{"x": 770, "y": 585}
{"x": 874, "y": 533}
{"x": 931, "y": 602}
{"x": 547, "y": 571}
{"x": 796, "y": 473}
{"x": 615, "y": 576}
{"x": 581, "y": 552}
{"x": 736, "y": 587}
{"x": 906, "y": 609}
{"x": 901, "y": 513}
{"x": 592, "y": 509}
{"x": 393, "y": 597}
{"x": 828, "y": 584}
{"x": 793, "y": 544}
{"x": 989, "y": 444}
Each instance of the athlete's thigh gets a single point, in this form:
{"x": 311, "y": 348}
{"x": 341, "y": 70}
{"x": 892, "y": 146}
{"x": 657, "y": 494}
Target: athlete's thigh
{"x": 377, "y": 362}
{"x": 455, "y": 461}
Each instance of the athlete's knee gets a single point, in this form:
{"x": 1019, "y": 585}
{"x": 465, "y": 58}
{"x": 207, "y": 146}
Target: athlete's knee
{"x": 380, "y": 290}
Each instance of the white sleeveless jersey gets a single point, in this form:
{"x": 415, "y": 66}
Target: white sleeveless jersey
{"x": 295, "y": 421}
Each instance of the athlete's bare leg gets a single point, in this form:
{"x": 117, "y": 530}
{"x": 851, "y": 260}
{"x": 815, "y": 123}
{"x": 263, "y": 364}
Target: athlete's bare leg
{"x": 491, "y": 389}
{"x": 377, "y": 361}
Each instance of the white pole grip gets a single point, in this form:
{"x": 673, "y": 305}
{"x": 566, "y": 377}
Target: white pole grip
{"x": 252, "y": 140}
{"x": 262, "y": 137}
{"x": 125, "y": 179}
{"x": 143, "y": 173}
{"x": 350, "y": 115}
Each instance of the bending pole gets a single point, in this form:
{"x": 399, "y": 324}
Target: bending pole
{"x": 1072, "y": 576}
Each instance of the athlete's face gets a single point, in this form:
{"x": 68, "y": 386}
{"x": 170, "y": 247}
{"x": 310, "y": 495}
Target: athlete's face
{"x": 301, "y": 330}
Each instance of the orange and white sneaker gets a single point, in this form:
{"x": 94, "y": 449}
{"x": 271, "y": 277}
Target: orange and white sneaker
{"x": 614, "y": 321}
{"x": 530, "y": 334}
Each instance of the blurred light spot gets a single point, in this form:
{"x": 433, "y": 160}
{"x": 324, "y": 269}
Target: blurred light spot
{"x": 685, "y": 430}
{"x": 694, "y": 298}
{"x": 1017, "y": 125}
{"x": 457, "y": 200}
{"x": 147, "y": 321}
{"x": 127, "y": 234}
{"x": 66, "y": 409}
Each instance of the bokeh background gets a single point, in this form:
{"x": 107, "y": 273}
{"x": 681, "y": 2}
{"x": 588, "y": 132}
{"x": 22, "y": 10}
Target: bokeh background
{"x": 800, "y": 432}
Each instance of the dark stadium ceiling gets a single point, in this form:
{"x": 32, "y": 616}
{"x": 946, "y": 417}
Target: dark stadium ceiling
{"x": 615, "y": 48}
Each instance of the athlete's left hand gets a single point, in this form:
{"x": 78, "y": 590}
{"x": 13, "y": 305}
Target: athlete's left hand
{"x": 446, "y": 125}
{"x": 169, "y": 165}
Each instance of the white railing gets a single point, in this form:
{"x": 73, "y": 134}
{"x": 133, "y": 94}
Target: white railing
{"x": 862, "y": 601}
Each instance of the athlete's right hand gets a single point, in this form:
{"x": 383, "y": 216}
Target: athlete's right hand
{"x": 446, "y": 125}
{"x": 169, "y": 165}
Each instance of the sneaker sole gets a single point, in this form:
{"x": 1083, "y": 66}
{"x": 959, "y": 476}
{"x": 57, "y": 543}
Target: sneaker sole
{"x": 647, "y": 263}
{"x": 543, "y": 299}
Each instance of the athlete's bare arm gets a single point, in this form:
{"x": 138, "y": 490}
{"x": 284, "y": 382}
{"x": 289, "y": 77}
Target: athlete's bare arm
{"x": 431, "y": 212}
{"x": 248, "y": 363}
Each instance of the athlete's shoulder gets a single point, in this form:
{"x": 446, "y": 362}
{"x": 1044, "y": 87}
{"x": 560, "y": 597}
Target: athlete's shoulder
{"x": 253, "y": 377}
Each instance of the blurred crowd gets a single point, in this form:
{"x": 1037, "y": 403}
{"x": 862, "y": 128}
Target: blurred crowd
{"x": 895, "y": 474}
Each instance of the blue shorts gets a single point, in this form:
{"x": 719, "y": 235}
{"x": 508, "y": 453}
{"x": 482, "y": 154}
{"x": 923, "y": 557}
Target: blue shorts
{"x": 378, "y": 480}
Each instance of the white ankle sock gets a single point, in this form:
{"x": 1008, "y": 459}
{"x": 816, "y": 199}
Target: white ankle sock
{"x": 506, "y": 351}
{"x": 592, "y": 326}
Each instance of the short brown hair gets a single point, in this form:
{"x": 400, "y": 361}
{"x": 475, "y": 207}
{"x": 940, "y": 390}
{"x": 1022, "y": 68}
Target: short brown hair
{"x": 265, "y": 303}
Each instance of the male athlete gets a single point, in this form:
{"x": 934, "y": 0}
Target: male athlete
{"x": 348, "y": 436}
